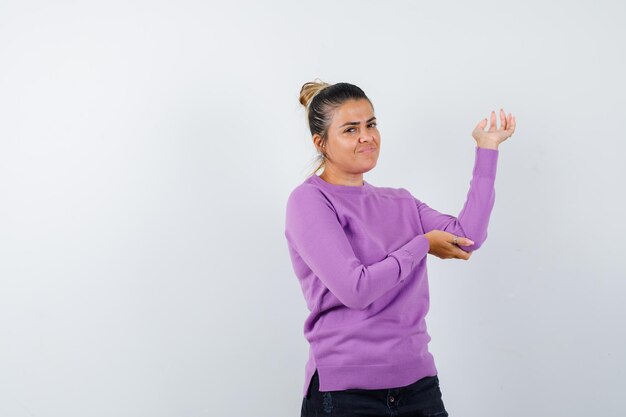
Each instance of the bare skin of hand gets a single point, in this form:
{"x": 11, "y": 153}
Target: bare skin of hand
{"x": 442, "y": 246}
{"x": 493, "y": 137}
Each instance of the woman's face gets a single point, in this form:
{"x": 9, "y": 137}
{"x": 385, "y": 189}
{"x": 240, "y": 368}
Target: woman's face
{"x": 353, "y": 143}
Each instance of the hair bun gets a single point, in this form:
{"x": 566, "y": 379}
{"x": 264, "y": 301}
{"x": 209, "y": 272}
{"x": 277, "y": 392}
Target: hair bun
{"x": 310, "y": 90}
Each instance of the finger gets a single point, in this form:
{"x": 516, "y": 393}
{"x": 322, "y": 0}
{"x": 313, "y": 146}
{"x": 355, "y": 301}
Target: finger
{"x": 502, "y": 119}
{"x": 511, "y": 127}
{"x": 454, "y": 239}
{"x": 492, "y": 127}
{"x": 461, "y": 254}
{"x": 463, "y": 241}
{"x": 481, "y": 125}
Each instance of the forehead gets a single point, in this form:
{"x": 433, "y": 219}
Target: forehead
{"x": 353, "y": 111}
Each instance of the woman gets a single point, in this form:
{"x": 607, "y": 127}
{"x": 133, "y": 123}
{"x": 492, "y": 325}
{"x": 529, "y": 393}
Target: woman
{"x": 359, "y": 252}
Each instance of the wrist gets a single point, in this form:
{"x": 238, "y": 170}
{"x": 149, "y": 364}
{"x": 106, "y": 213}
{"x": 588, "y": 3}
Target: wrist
{"x": 428, "y": 239}
{"x": 488, "y": 145}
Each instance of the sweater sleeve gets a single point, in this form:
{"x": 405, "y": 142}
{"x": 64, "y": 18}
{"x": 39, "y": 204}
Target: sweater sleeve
{"x": 313, "y": 229}
{"x": 473, "y": 219}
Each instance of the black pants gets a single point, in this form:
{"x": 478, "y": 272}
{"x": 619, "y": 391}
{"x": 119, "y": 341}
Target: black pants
{"x": 420, "y": 399}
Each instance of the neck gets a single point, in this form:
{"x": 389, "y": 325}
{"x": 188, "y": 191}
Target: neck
{"x": 342, "y": 178}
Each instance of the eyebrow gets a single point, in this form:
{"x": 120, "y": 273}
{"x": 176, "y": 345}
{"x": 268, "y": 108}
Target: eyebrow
{"x": 356, "y": 123}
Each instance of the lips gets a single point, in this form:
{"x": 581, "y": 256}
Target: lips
{"x": 370, "y": 149}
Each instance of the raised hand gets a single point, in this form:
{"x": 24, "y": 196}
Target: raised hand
{"x": 493, "y": 137}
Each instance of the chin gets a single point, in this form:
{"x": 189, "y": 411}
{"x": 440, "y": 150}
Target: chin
{"x": 369, "y": 168}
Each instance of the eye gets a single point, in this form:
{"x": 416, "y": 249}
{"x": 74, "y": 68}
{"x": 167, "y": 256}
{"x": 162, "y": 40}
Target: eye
{"x": 350, "y": 129}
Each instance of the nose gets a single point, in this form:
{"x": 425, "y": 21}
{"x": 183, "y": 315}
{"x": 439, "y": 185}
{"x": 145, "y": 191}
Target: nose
{"x": 366, "y": 137}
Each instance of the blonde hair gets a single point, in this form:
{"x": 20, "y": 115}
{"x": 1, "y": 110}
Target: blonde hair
{"x": 320, "y": 100}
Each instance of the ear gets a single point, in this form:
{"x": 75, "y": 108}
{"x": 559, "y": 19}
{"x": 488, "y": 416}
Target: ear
{"x": 317, "y": 141}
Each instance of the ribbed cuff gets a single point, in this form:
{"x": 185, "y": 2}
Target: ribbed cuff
{"x": 410, "y": 254}
{"x": 486, "y": 162}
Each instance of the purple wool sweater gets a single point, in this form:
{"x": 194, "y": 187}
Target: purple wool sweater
{"x": 359, "y": 253}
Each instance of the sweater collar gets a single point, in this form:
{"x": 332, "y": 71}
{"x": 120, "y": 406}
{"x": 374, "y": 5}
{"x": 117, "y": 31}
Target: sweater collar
{"x": 354, "y": 189}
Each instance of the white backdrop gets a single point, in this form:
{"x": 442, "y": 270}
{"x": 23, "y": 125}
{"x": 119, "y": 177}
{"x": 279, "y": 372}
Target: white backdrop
{"x": 147, "y": 150}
